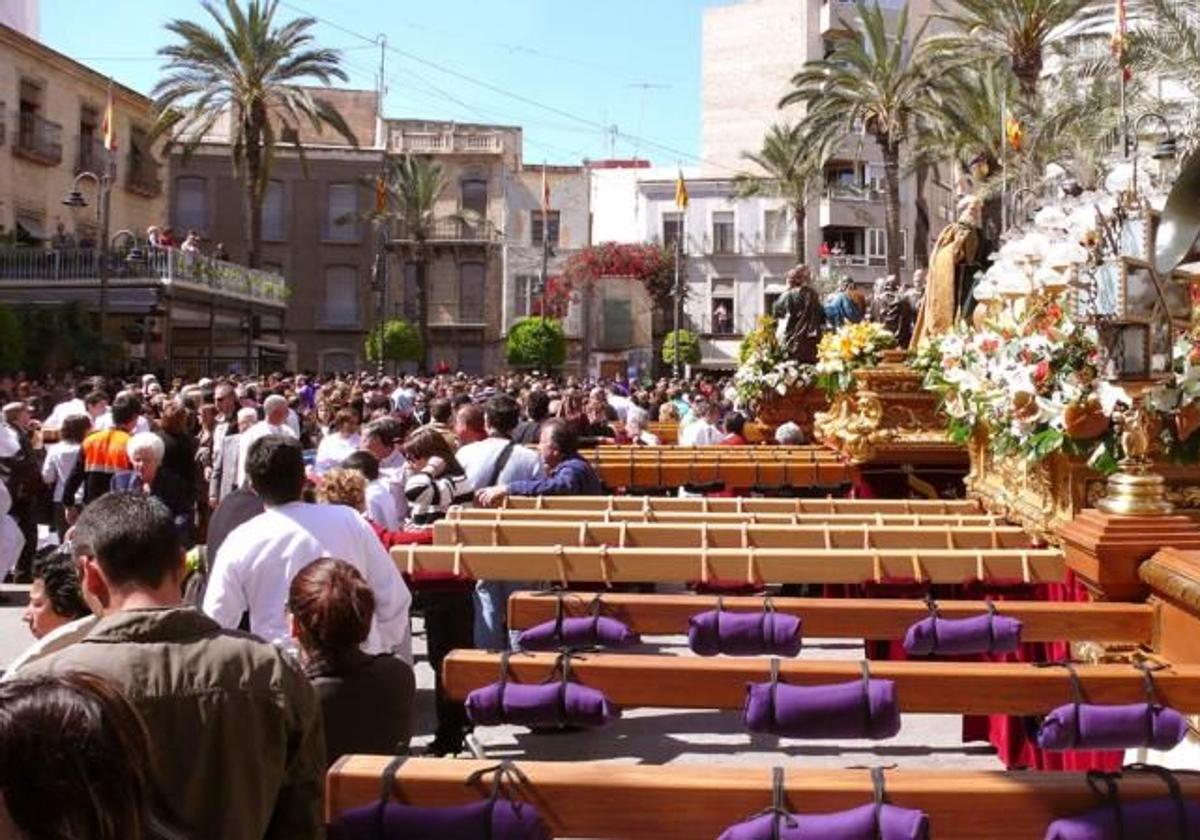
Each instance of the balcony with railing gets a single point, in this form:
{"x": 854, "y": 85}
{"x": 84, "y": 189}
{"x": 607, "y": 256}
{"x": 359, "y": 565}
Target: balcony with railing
{"x": 403, "y": 141}
{"x": 850, "y": 205}
{"x": 141, "y": 176}
{"x": 448, "y": 232}
{"x": 91, "y": 155}
{"x": 38, "y": 139}
{"x": 169, "y": 267}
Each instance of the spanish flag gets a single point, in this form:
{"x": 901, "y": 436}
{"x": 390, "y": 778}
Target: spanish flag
{"x": 1014, "y": 132}
{"x": 108, "y": 129}
{"x": 1120, "y": 29}
{"x": 681, "y": 193}
{"x": 381, "y": 201}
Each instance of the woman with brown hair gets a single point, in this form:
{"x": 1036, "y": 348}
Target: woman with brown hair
{"x": 75, "y": 762}
{"x": 367, "y": 701}
{"x": 179, "y": 449}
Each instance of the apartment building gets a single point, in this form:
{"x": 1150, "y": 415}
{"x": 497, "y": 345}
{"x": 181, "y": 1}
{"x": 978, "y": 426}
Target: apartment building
{"x": 313, "y": 234}
{"x": 465, "y": 270}
{"x": 742, "y": 87}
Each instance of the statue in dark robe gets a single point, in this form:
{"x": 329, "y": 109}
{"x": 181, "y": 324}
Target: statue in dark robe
{"x": 893, "y": 310}
{"x": 800, "y": 317}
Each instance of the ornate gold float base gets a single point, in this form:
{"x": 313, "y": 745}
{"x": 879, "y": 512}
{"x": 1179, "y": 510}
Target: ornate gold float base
{"x": 800, "y": 407}
{"x": 888, "y": 417}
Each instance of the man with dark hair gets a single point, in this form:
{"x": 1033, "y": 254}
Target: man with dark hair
{"x": 381, "y": 504}
{"x": 234, "y": 725}
{"x": 103, "y": 454}
{"x": 496, "y": 460}
{"x": 381, "y": 438}
{"x": 538, "y": 409}
{"x": 440, "y": 415}
{"x": 565, "y": 473}
{"x": 256, "y": 563}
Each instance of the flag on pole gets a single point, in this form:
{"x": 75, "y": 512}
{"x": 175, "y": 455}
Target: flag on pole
{"x": 1120, "y": 30}
{"x": 681, "y": 193}
{"x": 545, "y": 193}
{"x": 108, "y": 129}
{"x": 380, "y": 195}
{"x": 1014, "y": 131}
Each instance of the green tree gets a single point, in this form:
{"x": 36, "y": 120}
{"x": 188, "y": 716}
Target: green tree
{"x": 401, "y": 343}
{"x": 871, "y": 79}
{"x": 689, "y": 348}
{"x": 787, "y": 170}
{"x": 248, "y": 70}
{"x": 1016, "y": 33}
{"x": 537, "y": 343}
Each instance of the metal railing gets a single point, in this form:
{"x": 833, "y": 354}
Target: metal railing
{"x": 72, "y": 266}
{"x": 141, "y": 175}
{"x": 849, "y": 192}
{"x": 38, "y": 138}
{"x": 91, "y": 155}
{"x": 449, "y": 230}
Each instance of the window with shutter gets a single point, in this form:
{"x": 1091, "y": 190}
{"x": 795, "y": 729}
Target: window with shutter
{"x": 618, "y": 324}
{"x": 723, "y": 241}
{"x": 672, "y": 228}
{"x": 191, "y": 204}
{"x": 470, "y": 293}
{"x": 341, "y": 223}
{"x": 273, "y": 223}
{"x": 341, "y": 297}
{"x": 536, "y": 227}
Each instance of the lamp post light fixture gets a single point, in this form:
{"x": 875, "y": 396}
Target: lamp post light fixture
{"x": 1164, "y": 149}
{"x": 136, "y": 255}
{"x": 76, "y": 199}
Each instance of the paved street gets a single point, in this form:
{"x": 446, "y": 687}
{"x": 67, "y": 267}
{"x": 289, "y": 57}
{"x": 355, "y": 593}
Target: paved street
{"x": 661, "y": 736}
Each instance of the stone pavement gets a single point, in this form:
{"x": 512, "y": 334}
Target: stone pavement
{"x": 660, "y": 736}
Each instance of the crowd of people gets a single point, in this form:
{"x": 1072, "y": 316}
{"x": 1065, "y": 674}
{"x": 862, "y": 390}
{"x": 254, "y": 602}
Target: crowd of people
{"x": 158, "y": 522}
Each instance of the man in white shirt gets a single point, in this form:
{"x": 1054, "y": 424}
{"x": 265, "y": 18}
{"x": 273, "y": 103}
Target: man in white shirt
{"x": 381, "y": 438}
{"x": 275, "y": 408}
{"x": 702, "y": 431}
{"x": 497, "y": 460}
{"x": 256, "y": 563}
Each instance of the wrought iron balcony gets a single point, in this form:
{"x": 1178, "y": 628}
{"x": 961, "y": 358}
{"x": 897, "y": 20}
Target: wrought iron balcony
{"x": 91, "y": 155}
{"x": 447, "y": 232}
{"x": 141, "y": 175}
{"x": 38, "y": 139}
{"x": 80, "y": 268}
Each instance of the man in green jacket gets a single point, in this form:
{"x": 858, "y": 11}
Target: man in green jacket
{"x": 235, "y": 726}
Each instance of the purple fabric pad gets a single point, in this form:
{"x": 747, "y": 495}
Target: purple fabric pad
{"x": 956, "y": 637}
{"x": 855, "y": 824}
{"x": 1152, "y": 819}
{"x": 509, "y": 821}
{"x": 538, "y": 705}
{"x": 824, "y": 711}
{"x": 1111, "y": 727}
{"x": 578, "y": 632}
{"x": 744, "y": 634}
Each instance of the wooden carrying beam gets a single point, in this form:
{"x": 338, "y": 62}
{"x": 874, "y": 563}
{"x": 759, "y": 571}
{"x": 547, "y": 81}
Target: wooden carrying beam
{"x": 969, "y": 688}
{"x": 727, "y": 535}
{"x": 741, "y": 473}
{"x": 752, "y": 517}
{"x": 745, "y": 505}
{"x": 605, "y": 564}
{"x": 837, "y": 618}
{"x": 685, "y": 802}
{"x": 607, "y": 449}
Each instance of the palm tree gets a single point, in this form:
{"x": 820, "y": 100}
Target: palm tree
{"x": 247, "y": 70}
{"x": 788, "y": 172}
{"x": 414, "y": 185}
{"x": 1016, "y": 32}
{"x": 872, "y": 80}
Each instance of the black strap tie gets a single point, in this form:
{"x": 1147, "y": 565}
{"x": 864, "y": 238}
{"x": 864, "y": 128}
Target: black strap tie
{"x": 866, "y": 686}
{"x": 880, "y": 795}
{"x": 1077, "y": 697}
{"x": 1110, "y": 795}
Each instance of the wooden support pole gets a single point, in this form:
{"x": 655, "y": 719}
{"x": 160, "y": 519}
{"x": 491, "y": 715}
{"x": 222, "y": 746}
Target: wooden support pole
{"x": 720, "y": 505}
{"x": 594, "y": 564}
{"x": 648, "y": 473}
{"x": 685, "y": 802}
{"x": 651, "y": 516}
{"x": 837, "y": 618}
{"x": 729, "y": 535}
{"x": 972, "y": 688}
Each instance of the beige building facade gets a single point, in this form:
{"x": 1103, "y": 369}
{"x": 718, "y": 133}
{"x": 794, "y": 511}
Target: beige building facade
{"x": 751, "y": 50}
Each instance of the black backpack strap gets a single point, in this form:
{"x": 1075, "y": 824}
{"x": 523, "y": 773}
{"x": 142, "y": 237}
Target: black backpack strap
{"x": 1077, "y": 698}
{"x": 866, "y": 686}
{"x": 501, "y": 463}
{"x": 504, "y": 677}
{"x": 880, "y": 799}
{"x": 934, "y": 614}
{"x": 766, "y": 628}
{"x": 1110, "y": 795}
{"x": 1152, "y": 703}
{"x": 558, "y": 616}
{"x": 774, "y": 687}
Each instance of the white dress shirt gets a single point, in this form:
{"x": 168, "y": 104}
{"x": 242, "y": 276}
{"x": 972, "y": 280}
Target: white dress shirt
{"x": 60, "y": 461}
{"x": 700, "y": 433}
{"x": 381, "y": 505}
{"x": 255, "y": 565}
{"x": 62, "y": 411}
{"x": 259, "y": 430}
{"x": 333, "y": 449}
{"x": 478, "y": 461}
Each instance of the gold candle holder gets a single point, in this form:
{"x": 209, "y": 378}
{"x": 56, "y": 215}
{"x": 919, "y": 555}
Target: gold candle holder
{"x": 1134, "y": 489}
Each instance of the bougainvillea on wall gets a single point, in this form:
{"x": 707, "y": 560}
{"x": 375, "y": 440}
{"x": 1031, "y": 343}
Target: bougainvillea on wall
{"x": 653, "y": 265}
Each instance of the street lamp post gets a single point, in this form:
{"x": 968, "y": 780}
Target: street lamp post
{"x": 75, "y": 198}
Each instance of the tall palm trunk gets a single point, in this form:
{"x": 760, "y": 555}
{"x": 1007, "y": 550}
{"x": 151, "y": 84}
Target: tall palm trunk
{"x": 920, "y": 249}
{"x": 422, "y": 284}
{"x": 891, "y": 201}
{"x": 254, "y": 192}
{"x": 800, "y": 218}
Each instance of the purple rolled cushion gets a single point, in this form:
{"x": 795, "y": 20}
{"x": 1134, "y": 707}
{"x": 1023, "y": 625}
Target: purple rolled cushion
{"x": 824, "y": 711}
{"x": 744, "y": 634}
{"x": 955, "y": 637}
{"x": 1149, "y": 818}
{"x": 855, "y": 824}
{"x": 509, "y": 821}
{"x": 538, "y": 705}
{"x": 578, "y": 632}
{"x": 1111, "y": 727}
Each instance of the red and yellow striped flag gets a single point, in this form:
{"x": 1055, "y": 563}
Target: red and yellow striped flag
{"x": 1120, "y": 31}
{"x": 108, "y": 128}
